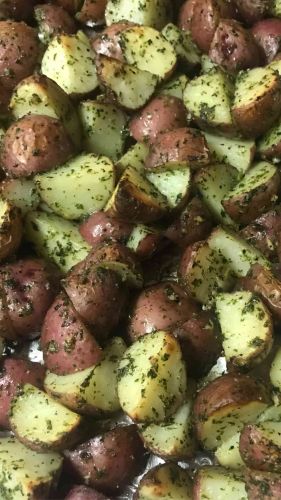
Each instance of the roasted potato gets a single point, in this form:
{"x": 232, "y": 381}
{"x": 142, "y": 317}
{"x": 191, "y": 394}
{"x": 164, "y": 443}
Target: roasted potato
{"x": 252, "y": 11}
{"x": 33, "y": 144}
{"x": 160, "y": 115}
{"x": 239, "y": 153}
{"x": 17, "y": 9}
{"x": 265, "y": 483}
{"x": 145, "y": 241}
{"x": 210, "y": 482}
{"x": 92, "y": 13}
{"x": 100, "y": 228}
{"x": 179, "y": 146}
{"x": 10, "y": 229}
{"x": 155, "y": 13}
{"x": 186, "y": 14}
{"x": 107, "y": 43}
{"x": 108, "y": 461}
{"x": 19, "y": 52}
{"x": 165, "y": 481}
{"x": 233, "y": 47}
{"x": 84, "y": 493}
{"x": 263, "y": 232}
{"x": 72, "y": 6}
{"x": 160, "y": 307}
{"x": 53, "y": 20}
{"x": 14, "y": 372}
{"x": 269, "y": 145}
{"x": 64, "y": 337}
{"x": 267, "y": 34}
{"x": 260, "y": 446}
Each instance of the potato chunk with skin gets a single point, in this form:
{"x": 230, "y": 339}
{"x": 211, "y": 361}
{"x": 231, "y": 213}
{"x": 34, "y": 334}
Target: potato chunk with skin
{"x": 219, "y": 483}
{"x": 167, "y": 481}
{"x": 155, "y": 13}
{"x": 152, "y": 378}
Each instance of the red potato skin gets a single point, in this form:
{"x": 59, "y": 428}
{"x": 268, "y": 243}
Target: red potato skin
{"x": 160, "y": 307}
{"x": 108, "y": 462}
{"x": 29, "y": 287}
{"x": 19, "y": 10}
{"x": 5, "y": 96}
{"x": 263, "y": 233}
{"x": 19, "y": 52}
{"x": 265, "y": 485}
{"x": 252, "y": 11}
{"x": 267, "y": 34}
{"x": 234, "y": 48}
{"x": 34, "y": 144}
{"x": 15, "y": 372}
{"x": 53, "y": 20}
{"x": 179, "y": 145}
{"x": 186, "y": 14}
{"x": 160, "y": 115}
{"x": 108, "y": 42}
{"x": 149, "y": 245}
{"x": 100, "y": 228}
{"x": 258, "y": 452}
{"x": 84, "y": 493}
{"x": 71, "y": 6}
{"x": 68, "y": 345}
{"x": 92, "y": 12}
{"x": 192, "y": 225}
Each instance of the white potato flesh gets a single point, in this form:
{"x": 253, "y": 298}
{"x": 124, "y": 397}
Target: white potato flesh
{"x": 168, "y": 482}
{"x": 213, "y": 483}
{"x": 174, "y": 183}
{"x": 21, "y": 193}
{"x": 252, "y": 85}
{"x": 155, "y": 13}
{"x": 275, "y": 370}
{"x": 238, "y": 153}
{"x": 228, "y": 454}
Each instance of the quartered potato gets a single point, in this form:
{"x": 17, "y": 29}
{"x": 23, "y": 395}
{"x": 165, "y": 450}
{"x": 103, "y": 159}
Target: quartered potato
{"x": 239, "y": 153}
{"x": 216, "y": 482}
{"x": 186, "y": 50}
{"x": 155, "y": 13}
{"x": 20, "y": 193}
{"x": 228, "y": 454}
{"x": 165, "y": 481}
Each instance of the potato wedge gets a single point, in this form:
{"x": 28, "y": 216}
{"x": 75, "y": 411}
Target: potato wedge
{"x": 223, "y": 406}
{"x": 218, "y": 483}
{"x": 40, "y": 423}
{"x": 152, "y": 378}
{"x": 248, "y": 338}
{"x": 256, "y": 192}
{"x": 56, "y": 239}
{"x": 135, "y": 157}
{"x": 79, "y": 187}
{"x": 69, "y": 55}
{"x": 257, "y": 101}
{"x": 155, "y": 13}
{"x": 130, "y": 86}
{"x": 174, "y": 87}
{"x": 173, "y": 183}
{"x": 260, "y": 446}
{"x": 24, "y": 473}
{"x": 228, "y": 454}
{"x": 21, "y": 193}
{"x": 88, "y": 392}
{"x": 145, "y": 241}
{"x": 10, "y": 229}
{"x": 167, "y": 481}
{"x": 269, "y": 145}
{"x": 185, "y": 48}
{"x": 239, "y": 153}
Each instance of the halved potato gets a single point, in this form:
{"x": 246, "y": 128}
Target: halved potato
{"x": 68, "y": 56}
{"x": 239, "y": 153}
{"x": 155, "y": 13}
{"x": 89, "y": 391}
{"x": 167, "y": 481}
{"x": 223, "y": 406}
{"x": 208, "y": 100}
{"x": 257, "y": 101}
{"x": 40, "y": 423}
{"x": 79, "y": 187}
{"x": 152, "y": 378}
{"x": 130, "y": 86}
{"x": 248, "y": 337}
{"x": 56, "y": 239}
{"x": 10, "y": 229}
{"x": 217, "y": 483}
{"x": 21, "y": 193}
{"x": 183, "y": 44}
{"x": 148, "y": 50}
{"x": 26, "y": 474}
{"x": 136, "y": 199}
{"x": 228, "y": 454}
{"x": 256, "y": 192}
{"x": 173, "y": 183}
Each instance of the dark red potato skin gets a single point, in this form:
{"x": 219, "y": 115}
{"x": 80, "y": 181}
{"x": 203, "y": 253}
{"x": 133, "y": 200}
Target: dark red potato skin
{"x": 100, "y": 228}
{"x": 258, "y": 452}
{"x": 267, "y": 34}
{"x": 109, "y": 461}
{"x": 14, "y": 372}
{"x": 107, "y": 43}
{"x": 263, "y": 232}
{"x": 92, "y": 12}
{"x": 72, "y": 6}
{"x": 252, "y": 11}
{"x": 265, "y": 485}
{"x": 185, "y": 15}
{"x": 53, "y": 20}
{"x": 84, "y": 493}
{"x": 20, "y": 10}
{"x": 68, "y": 345}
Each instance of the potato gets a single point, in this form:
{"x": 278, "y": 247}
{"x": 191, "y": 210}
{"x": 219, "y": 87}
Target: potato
{"x": 16, "y": 371}
{"x": 186, "y": 14}
{"x": 205, "y": 19}
{"x": 20, "y": 193}
{"x": 19, "y": 52}
{"x": 267, "y": 35}
{"x": 97, "y": 294}
{"x": 213, "y": 482}
{"x": 17, "y": 9}
{"x": 162, "y": 267}
{"x": 259, "y": 483}
{"x": 275, "y": 370}
{"x": 33, "y": 144}
{"x": 234, "y": 48}
{"x": 257, "y": 101}
{"x": 175, "y": 86}
{"x": 239, "y": 153}
{"x": 254, "y": 194}
{"x": 165, "y": 481}
{"x": 10, "y": 229}
{"x": 100, "y": 228}
{"x": 188, "y": 54}
{"x": 223, "y": 406}
{"x": 160, "y": 115}
{"x": 260, "y": 446}
{"x": 107, "y": 43}
{"x": 108, "y": 461}
{"x": 160, "y": 307}
{"x": 5, "y": 95}
{"x": 253, "y": 10}
{"x": 84, "y": 493}
{"x": 53, "y": 20}
{"x": 269, "y": 145}
{"x": 64, "y": 337}
{"x": 263, "y": 232}
{"x": 25, "y": 473}
{"x": 177, "y": 147}
{"x": 145, "y": 241}
{"x": 135, "y": 157}
{"x": 193, "y": 224}
{"x": 174, "y": 182}
{"x": 72, "y": 6}
{"x": 29, "y": 286}
{"x": 228, "y": 454}
{"x": 40, "y": 423}
{"x": 155, "y": 13}
{"x": 275, "y": 8}
{"x": 199, "y": 343}
{"x": 92, "y": 13}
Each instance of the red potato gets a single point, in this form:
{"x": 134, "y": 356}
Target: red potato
{"x": 97, "y": 295}
{"x": 53, "y": 20}
{"x": 161, "y": 307}
{"x": 151, "y": 243}
{"x": 68, "y": 345}
{"x": 263, "y": 232}
{"x": 252, "y": 11}
{"x": 161, "y": 114}
{"x": 185, "y": 15}
{"x": 109, "y": 461}
{"x": 92, "y": 12}
{"x": 265, "y": 485}
{"x": 259, "y": 446}
{"x": 72, "y": 6}
{"x": 11, "y": 229}
{"x": 234, "y": 48}
{"x": 17, "y": 9}
{"x": 15, "y": 372}
{"x": 178, "y": 146}
{"x": 267, "y": 34}
{"x": 84, "y": 493}
{"x": 100, "y": 228}
{"x": 162, "y": 267}
{"x": 19, "y": 52}
{"x": 107, "y": 43}
{"x": 5, "y": 96}
{"x": 192, "y": 225}
{"x": 34, "y": 144}
{"x": 29, "y": 287}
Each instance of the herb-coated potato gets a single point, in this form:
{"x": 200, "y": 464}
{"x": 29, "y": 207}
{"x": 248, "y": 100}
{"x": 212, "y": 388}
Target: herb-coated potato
{"x": 34, "y": 144}
{"x": 146, "y": 241}
{"x": 267, "y": 34}
{"x": 178, "y": 146}
{"x": 260, "y": 447}
{"x": 92, "y": 12}
{"x": 108, "y": 461}
{"x": 19, "y": 52}
{"x": 10, "y": 229}
{"x": 185, "y": 15}
{"x": 262, "y": 484}
{"x": 263, "y": 232}
{"x": 107, "y": 43}
{"x": 15, "y": 372}
{"x": 233, "y": 47}
{"x": 161, "y": 307}
{"x": 99, "y": 228}
{"x": 68, "y": 345}
{"x": 252, "y": 11}
{"x": 167, "y": 481}
{"x": 210, "y": 482}
{"x": 29, "y": 287}
{"x": 84, "y": 493}
{"x": 53, "y": 20}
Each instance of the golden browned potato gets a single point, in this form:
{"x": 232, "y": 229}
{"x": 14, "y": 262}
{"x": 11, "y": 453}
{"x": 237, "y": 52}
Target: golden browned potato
{"x": 53, "y": 20}
{"x": 19, "y": 52}
{"x": 92, "y": 12}
{"x": 233, "y": 47}
{"x": 34, "y": 144}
